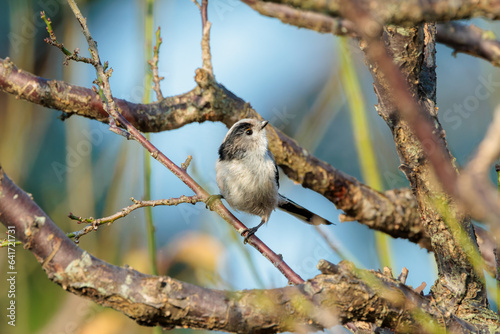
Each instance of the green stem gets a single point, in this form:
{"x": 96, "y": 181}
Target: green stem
{"x": 364, "y": 146}
{"x": 148, "y": 78}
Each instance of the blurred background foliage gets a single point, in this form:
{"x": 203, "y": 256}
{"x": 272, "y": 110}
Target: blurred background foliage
{"x": 313, "y": 87}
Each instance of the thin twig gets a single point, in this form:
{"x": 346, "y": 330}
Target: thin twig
{"x": 186, "y": 163}
{"x": 205, "y": 40}
{"x": 95, "y": 223}
{"x": 204, "y": 13}
{"x": 197, "y": 4}
{"x": 154, "y": 67}
{"x": 53, "y": 41}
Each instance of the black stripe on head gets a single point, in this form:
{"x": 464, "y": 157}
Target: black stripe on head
{"x": 239, "y": 130}
{"x": 227, "y": 150}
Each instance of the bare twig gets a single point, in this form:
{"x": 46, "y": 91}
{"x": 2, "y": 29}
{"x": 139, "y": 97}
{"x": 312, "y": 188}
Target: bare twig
{"x": 205, "y": 40}
{"x": 53, "y": 41}
{"x": 204, "y": 14}
{"x": 197, "y": 4}
{"x": 95, "y": 223}
{"x": 420, "y": 289}
{"x": 154, "y": 67}
{"x": 186, "y": 163}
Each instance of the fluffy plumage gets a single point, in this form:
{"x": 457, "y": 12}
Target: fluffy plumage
{"x": 248, "y": 177}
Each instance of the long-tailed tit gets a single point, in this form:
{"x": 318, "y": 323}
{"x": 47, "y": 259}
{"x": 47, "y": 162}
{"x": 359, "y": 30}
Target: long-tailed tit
{"x": 248, "y": 177}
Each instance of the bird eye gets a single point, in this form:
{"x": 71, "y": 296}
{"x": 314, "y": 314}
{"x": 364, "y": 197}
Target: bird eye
{"x": 249, "y": 132}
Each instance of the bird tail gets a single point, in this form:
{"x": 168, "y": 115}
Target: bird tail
{"x": 300, "y": 212}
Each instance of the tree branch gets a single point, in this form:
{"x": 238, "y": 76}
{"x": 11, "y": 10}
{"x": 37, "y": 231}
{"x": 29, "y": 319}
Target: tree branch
{"x": 93, "y": 224}
{"x": 468, "y": 39}
{"x": 404, "y": 13}
{"x": 402, "y": 64}
{"x": 154, "y": 67}
{"x": 392, "y": 212}
{"x": 303, "y": 18}
{"x": 340, "y": 294}
{"x": 471, "y": 40}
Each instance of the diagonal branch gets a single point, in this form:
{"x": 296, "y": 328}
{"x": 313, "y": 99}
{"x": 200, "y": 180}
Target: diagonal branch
{"x": 339, "y": 295}
{"x": 131, "y": 132}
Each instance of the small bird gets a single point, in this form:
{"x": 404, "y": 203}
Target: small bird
{"x": 248, "y": 177}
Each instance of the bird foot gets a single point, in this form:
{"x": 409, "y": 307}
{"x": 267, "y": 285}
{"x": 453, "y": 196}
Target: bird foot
{"x": 210, "y": 200}
{"x": 248, "y": 232}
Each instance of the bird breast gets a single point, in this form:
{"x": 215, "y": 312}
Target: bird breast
{"x": 249, "y": 184}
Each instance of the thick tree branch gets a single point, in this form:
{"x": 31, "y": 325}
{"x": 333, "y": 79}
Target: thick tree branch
{"x": 468, "y": 39}
{"x": 402, "y": 64}
{"x": 404, "y": 13}
{"x": 341, "y": 294}
{"x": 393, "y": 212}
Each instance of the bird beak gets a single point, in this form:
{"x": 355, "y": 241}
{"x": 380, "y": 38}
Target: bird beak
{"x": 263, "y": 124}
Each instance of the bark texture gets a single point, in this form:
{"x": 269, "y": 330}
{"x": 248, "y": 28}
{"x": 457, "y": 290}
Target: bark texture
{"x": 341, "y": 294}
{"x": 459, "y": 287}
